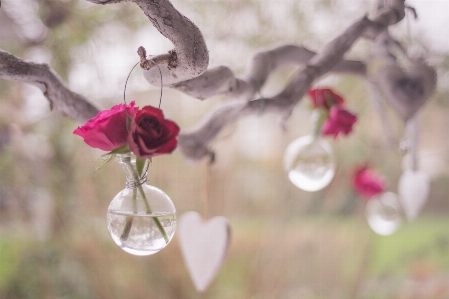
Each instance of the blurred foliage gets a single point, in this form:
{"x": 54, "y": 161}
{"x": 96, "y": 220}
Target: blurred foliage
{"x": 286, "y": 243}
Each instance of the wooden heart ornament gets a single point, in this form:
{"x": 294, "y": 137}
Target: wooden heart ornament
{"x": 413, "y": 189}
{"x": 407, "y": 90}
{"x": 204, "y": 245}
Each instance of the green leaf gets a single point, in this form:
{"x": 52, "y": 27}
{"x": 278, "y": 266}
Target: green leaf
{"x": 104, "y": 161}
{"x": 120, "y": 150}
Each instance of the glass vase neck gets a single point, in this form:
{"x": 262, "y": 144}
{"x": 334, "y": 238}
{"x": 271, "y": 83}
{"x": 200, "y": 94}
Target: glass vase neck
{"x": 134, "y": 179}
{"x": 315, "y": 124}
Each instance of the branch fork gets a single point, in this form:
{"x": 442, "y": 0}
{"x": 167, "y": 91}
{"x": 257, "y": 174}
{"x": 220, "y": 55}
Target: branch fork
{"x": 170, "y": 59}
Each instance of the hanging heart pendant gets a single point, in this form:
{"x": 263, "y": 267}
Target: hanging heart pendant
{"x": 204, "y": 245}
{"x": 407, "y": 90}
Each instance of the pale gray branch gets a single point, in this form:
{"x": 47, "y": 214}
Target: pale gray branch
{"x": 195, "y": 144}
{"x": 190, "y": 57}
{"x": 60, "y": 97}
{"x": 221, "y": 80}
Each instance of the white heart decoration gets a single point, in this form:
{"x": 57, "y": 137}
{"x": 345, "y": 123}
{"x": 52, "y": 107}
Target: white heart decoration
{"x": 407, "y": 90}
{"x": 413, "y": 189}
{"x": 204, "y": 245}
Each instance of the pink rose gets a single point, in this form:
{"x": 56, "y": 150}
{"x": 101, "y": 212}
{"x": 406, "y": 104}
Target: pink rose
{"x": 324, "y": 98}
{"x": 340, "y": 121}
{"x": 367, "y": 183}
{"x": 151, "y": 134}
{"x": 107, "y": 130}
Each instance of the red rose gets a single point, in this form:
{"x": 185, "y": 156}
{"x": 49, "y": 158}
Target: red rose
{"x": 107, "y": 130}
{"x": 151, "y": 134}
{"x": 340, "y": 121}
{"x": 367, "y": 183}
{"x": 324, "y": 98}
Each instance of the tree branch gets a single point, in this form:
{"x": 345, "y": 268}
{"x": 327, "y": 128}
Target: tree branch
{"x": 194, "y": 144}
{"x": 60, "y": 97}
{"x": 221, "y": 80}
{"x": 190, "y": 57}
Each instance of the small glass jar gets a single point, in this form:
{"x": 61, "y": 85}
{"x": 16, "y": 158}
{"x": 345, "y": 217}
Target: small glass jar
{"x": 141, "y": 218}
{"x": 309, "y": 160}
{"x": 383, "y": 214}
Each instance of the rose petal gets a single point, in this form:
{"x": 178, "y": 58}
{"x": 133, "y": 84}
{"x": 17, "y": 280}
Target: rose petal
{"x": 151, "y": 134}
{"x": 367, "y": 183}
{"x": 324, "y": 98}
{"x": 107, "y": 130}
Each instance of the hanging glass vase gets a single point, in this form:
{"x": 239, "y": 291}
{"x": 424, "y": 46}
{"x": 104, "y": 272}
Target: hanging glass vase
{"x": 141, "y": 218}
{"x": 383, "y": 214}
{"x": 309, "y": 160}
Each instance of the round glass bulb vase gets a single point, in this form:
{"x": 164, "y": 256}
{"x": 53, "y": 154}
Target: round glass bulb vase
{"x": 383, "y": 214}
{"x": 141, "y": 218}
{"x": 310, "y": 163}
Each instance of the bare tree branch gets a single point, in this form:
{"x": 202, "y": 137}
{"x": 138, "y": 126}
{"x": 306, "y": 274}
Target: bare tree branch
{"x": 194, "y": 144}
{"x": 190, "y": 57}
{"x": 60, "y": 97}
{"x": 221, "y": 80}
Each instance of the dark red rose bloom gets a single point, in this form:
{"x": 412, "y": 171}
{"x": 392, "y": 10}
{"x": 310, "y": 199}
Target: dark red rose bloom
{"x": 324, "y": 98}
{"x": 340, "y": 121}
{"x": 107, "y": 130}
{"x": 151, "y": 134}
{"x": 367, "y": 183}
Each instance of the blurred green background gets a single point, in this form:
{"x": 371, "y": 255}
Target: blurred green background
{"x": 286, "y": 243}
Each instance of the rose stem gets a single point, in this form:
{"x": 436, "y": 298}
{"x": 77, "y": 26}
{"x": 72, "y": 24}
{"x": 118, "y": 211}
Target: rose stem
{"x": 155, "y": 219}
{"x": 128, "y": 222}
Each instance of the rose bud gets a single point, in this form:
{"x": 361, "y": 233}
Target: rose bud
{"x": 340, "y": 121}
{"x": 107, "y": 130}
{"x": 367, "y": 183}
{"x": 151, "y": 134}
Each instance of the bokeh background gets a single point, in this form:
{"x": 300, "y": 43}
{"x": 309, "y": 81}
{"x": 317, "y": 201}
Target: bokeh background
{"x": 286, "y": 243}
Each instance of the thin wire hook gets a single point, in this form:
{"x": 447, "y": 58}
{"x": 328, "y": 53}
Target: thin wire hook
{"x": 127, "y": 78}
{"x": 160, "y": 73}
{"x": 126, "y": 83}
